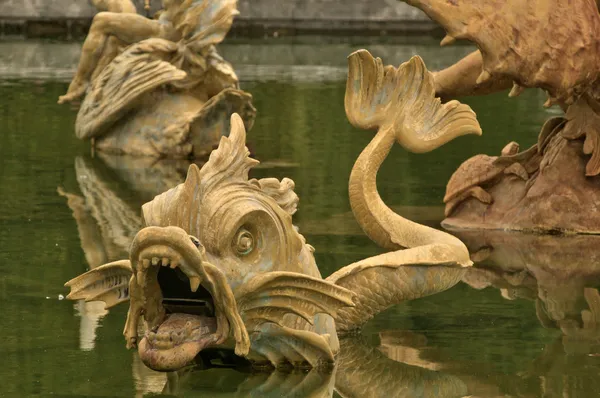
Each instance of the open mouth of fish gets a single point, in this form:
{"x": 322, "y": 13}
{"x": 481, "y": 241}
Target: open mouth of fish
{"x": 186, "y": 302}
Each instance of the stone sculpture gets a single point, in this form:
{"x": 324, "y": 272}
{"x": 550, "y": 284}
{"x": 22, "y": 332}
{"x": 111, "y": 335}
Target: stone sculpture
{"x": 107, "y": 224}
{"x": 220, "y": 264}
{"x": 157, "y": 87}
{"x": 482, "y": 169}
{"x": 547, "y": 44}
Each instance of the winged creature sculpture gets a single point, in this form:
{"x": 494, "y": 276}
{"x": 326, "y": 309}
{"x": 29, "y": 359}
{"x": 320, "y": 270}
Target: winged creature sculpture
{"x": 157, "y": 87}
{"x": 553, "y": 45}
{"x": 219, "y": 262}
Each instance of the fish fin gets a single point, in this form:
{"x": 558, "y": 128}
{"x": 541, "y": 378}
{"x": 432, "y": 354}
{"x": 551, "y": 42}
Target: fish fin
{"x": 403, "y": 99}
{"x": 268, "y": 297}
{"x": 108, "y": 283}
{"x": 279, "y": 345}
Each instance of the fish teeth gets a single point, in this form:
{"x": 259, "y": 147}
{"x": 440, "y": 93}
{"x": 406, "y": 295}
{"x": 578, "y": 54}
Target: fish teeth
{"x": 194, "y": 283}
{"x": 164, "y": 262}
{"x": 141, "y": 280}
{"x": 155, "y": 261}
{"x": 174, "y": 264}
{"x": 145, "y": 263}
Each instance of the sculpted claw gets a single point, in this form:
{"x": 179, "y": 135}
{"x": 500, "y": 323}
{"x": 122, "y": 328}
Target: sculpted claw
{"x": 448, "y": 39}
{"x": 516, "y": 90}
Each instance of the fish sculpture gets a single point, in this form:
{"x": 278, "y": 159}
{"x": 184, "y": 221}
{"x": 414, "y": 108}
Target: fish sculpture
{"x": 220, "y": 264}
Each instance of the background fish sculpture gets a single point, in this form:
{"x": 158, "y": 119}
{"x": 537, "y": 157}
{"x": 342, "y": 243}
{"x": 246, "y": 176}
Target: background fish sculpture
{"x": 158, "y": 87}
{"x": 219, "y": 263}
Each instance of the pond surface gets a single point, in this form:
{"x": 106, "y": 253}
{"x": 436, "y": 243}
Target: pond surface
{"x": 64, "y": 210}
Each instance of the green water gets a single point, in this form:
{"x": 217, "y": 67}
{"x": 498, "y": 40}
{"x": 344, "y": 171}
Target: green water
{"x": 477, "y": 340}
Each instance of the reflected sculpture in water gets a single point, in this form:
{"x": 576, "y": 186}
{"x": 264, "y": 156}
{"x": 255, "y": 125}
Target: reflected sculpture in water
{"x": 560, "y": 274}
{"x": 361, "y": 370}
{"x": 157, "y": 87}
{"x": 219, "y": 264}
{"x": 400, "y": 364}
{"x": 547, "y": 44}
{"x": 106, "y": 221}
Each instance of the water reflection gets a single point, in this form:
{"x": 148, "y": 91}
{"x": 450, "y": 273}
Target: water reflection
{"x": 309, "y": 58}
{"x": 560, "y": 275}
{"x": 362, "y": 370}
{"x": 403, "y": 364}
{"x": 107, "y": 214}
{"x": 107, "y": 210}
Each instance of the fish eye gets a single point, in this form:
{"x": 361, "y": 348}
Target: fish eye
{"x": 195, "y": 241}
{"x": 243, "y": 243}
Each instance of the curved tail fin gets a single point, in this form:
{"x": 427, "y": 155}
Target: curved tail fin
{"x": 403, "y": 99}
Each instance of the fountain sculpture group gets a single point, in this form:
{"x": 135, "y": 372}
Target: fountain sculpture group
{"x": 227, "y": 241}
{"x": 216, "y": 262}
